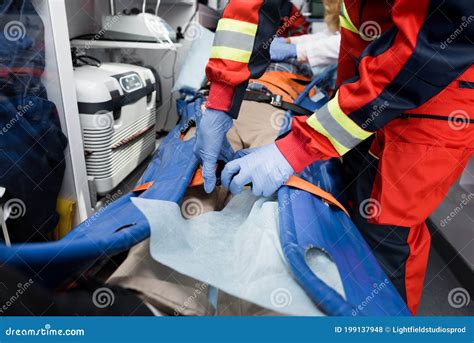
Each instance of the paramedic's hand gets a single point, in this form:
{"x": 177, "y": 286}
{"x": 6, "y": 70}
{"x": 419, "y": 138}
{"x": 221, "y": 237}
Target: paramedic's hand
{"x": 265, "y": 168}
{"x": 210, "y": 140}
{"x": 280, "y": 50}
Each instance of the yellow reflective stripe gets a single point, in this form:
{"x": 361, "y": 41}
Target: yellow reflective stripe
{"x": 346, "y": 21}
{"x": 315, "y": 124}
{"x": 347, "y": 123}
{"x": 343, "y": 133}
{"x": 233, "y": 25}
{"x": 347, "y": 25}
{"x": 346, "y": 15}
{"x": 231, "y": 54}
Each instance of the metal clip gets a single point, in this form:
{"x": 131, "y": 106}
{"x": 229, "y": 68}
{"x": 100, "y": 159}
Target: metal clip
{"x": 276, "y": 100}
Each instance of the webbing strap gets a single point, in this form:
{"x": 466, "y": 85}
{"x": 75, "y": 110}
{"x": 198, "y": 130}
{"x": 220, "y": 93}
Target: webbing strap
{"x": 142, "y": 188}
{"x": 299, "y": 183}
{"x": 293, "y": 182}
{"x": 276, "y": 101}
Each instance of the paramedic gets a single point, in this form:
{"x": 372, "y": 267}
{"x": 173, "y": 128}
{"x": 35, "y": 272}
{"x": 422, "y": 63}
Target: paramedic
{"x": 319, "y": 49}
{"x": 405, "y": 86}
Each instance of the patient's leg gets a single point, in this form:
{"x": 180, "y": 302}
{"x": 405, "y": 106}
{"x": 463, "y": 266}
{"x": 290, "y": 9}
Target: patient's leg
{"x": 167, "y": 290}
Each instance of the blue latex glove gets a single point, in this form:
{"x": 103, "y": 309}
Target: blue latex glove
{"x": 266, "y": 168}
{"x": 211, "y": 141}
{"x": 280, "y": 50}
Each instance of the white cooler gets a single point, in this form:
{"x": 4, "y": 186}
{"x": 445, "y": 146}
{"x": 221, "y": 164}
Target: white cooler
{"x": 117, "y": 107}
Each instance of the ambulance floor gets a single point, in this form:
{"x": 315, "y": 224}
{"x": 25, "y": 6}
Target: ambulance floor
{"x": 439, "y": 281}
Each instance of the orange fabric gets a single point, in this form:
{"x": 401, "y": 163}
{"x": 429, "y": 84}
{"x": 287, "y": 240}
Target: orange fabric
{"x": 306, "y": 186}
{"x": 419, "y": 241}
{"x": 288, "y": 85}
{"x": 197, "y": 179}
{"x": 294, "y": 182}
{"x": 144, "y": 187}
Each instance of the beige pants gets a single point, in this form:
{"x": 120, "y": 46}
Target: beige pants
{"x": 171, "y": 292}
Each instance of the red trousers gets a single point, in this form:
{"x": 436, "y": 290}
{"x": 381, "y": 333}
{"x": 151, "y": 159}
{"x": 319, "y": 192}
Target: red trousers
{"x": 398, "y": 181}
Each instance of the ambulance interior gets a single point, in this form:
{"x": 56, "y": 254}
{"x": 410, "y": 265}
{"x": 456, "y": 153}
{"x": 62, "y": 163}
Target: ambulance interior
{"x": 115, "y": 70}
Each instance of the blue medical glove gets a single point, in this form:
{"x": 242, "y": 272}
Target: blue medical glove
{"x": 266, "y": 168}
{"x": 210, "y": 142}
{"x": 280, "y": 50}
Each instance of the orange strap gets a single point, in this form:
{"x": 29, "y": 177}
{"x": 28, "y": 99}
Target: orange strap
{"x": 143, "y": 187}
{"x": 286, "y": 84}
{"x": 299, "y": 183}
{"x": 197, "y": 179}
{"x": 294, "y": 182}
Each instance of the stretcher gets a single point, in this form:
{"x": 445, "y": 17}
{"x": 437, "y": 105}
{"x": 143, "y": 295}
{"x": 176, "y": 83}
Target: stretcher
{"x": 307, "y": 221}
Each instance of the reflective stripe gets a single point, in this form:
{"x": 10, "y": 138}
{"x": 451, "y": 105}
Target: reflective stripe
{"x": 346, "y": 20}
{"x": 343, "y": 133}
{"x": 347, "y": 25}
{"x": 335, "y": 129}
{"x": 235, "y": 40}
{"x": 315, "y": 124}
{"x": 232, "y": 54}
{"x": 233, "y": 25}
{"x": 347, "y": 123}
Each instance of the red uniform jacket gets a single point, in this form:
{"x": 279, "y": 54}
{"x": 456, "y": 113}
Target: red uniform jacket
{"x": 397, "y": 57}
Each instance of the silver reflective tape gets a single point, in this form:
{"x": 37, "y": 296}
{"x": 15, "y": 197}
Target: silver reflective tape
{"x": 334, "y": 128}
{"x": 234, "y": 40}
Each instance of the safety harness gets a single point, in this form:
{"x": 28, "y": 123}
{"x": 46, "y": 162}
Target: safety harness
{"x": 280, "y": 89}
